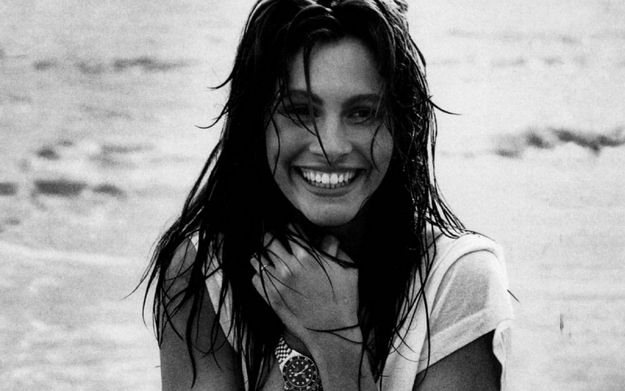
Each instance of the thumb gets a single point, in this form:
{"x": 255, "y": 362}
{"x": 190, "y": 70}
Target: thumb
{"x": 330, "y": 246}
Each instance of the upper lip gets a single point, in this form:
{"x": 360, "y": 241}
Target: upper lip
{"x": 328, "y": 169}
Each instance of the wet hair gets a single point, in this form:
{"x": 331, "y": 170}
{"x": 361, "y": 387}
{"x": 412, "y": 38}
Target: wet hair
{"x": 236, "y": 201}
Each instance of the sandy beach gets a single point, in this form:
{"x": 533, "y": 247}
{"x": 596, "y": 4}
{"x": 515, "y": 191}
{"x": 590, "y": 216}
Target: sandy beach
{"x": 100, "y": 104}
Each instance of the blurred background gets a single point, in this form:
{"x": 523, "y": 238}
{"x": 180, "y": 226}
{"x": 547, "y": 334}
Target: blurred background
{"x": 99, "y": 107}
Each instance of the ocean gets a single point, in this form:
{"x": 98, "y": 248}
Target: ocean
{"x": 101, "y": 104}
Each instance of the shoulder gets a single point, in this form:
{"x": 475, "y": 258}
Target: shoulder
{"x": 194, "y": 349}
{"x": 474, "y": 284}
{"x": 470, "y": 258}
{"x": 184, "y": 255}
{"x": 450, "y": 249}
{"x": 469, "y": 266}
{"x": 467, "y": 294}
{"x": 183, "y": 258}
{"x": 178, "y": 271}
{"x": 464, "y": 307}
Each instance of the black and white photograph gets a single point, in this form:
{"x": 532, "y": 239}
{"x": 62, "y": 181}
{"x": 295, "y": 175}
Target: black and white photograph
{"x": 307, "y": 195}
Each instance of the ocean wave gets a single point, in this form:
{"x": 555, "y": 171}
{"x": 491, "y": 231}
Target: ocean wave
{"x": 8, "y": 188}
{"x": 146, "y": 64}
{"x": 104, "y": 113}
{"x": 52, "y": 255}
{"x": 125, "y": 148}
{"x": 108, "y": 189}
{"x": 44, "y": 64}
{"x": 48, "y": 153}
{"x": 64, "y": 169}
{"x": 516, "y": 36}
{"x": 59, "y": 187}
{"x": 91, "y": 67}
{"x": 96, "y": 170}
{"x": 513, "y": 146}
{"x": 15, "y": 99}
{"x": 68, "y": 156}
{"x": 67, "y": 188}
{"x": 609, "y": 34}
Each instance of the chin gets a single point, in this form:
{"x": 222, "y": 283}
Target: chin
{"x": 330, "y": 219}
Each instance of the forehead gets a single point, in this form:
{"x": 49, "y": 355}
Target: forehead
{"x": 345, "y": 66}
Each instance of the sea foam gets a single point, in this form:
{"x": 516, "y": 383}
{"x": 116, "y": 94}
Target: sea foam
{"x": 53, "y": 255}
{"x": 514, "y": 146}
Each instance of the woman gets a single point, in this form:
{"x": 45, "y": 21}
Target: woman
{"x": 314, "y": 251}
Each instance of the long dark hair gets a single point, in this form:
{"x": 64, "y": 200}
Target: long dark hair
{"x": 235, "y": 201}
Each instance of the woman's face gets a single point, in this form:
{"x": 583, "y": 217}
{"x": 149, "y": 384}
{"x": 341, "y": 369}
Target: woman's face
{"x": 345, "y": 92}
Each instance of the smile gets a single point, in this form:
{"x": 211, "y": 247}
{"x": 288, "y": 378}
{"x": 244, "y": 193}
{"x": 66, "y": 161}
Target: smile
{"x": 328, "y": 180}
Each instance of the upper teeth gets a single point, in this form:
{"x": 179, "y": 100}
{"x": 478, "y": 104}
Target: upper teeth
{"x": 329, "y": 179}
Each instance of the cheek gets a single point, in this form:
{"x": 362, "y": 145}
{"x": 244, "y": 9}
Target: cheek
{"x": 282, "y": 145}
{"x": 272, "y": 147}
{"x": 383, "y": 150}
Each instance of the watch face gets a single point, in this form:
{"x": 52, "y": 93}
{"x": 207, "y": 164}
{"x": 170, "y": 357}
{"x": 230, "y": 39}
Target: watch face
{"x": 300, "y": 372}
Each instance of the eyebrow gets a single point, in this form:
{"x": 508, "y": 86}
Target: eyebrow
{"x": 303, "y": 94}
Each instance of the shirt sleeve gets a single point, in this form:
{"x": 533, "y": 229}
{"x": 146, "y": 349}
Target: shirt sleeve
{"x": 471, "y": 301}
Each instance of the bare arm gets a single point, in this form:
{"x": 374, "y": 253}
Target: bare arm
{"x": 472, "y": 367}
{"x": 219, "y": 372}
{"x": 311, "y": 294}
{"x": 342, "y": 365}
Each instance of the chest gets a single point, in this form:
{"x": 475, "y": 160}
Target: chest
{"x": 274, "y": 380}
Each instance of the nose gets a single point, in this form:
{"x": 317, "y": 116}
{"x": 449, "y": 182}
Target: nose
{"x": 333, "y": 139}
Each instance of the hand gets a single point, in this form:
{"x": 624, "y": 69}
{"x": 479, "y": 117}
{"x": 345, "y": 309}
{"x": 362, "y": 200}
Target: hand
{"x": 308, "y": 291}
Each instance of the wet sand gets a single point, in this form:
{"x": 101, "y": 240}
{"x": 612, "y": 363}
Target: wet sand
{"x": 99, "y": 104}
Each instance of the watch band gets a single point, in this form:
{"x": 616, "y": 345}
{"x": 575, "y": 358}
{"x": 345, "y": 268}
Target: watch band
{"x": 284, "y": 352}
{"x": 286, "y": 357}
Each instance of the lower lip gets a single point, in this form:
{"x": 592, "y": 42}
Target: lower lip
{"x": 322, "y": 191}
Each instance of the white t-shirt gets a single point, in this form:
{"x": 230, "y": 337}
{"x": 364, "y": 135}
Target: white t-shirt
{"x": 467, "y": 297}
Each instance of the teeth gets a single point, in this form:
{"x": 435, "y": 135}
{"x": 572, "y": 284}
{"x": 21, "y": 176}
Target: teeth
{"x": 328, "y": 180}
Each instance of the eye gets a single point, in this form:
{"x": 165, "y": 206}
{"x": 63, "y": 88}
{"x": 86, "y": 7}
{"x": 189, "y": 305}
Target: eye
{"x": 298, "y": 113}
{"x": 363, "y": 115}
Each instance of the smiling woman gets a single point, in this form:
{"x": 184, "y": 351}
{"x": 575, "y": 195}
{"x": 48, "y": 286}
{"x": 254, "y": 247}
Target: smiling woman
{"x": 323, "y": 148}
{"x": 345, "y": 270}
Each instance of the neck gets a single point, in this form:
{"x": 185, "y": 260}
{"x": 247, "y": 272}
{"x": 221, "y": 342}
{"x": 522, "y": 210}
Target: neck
{"x": 351, "y": 236}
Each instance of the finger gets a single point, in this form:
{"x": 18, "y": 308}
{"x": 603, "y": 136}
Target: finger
{"x": 330, "y": 246}
{"x": 299, "y": 242}
{"x": 263, "y": 279}
{"x": 259, "y": 285}
{"x": 265, "y": 285}
{"x": 268, "y": 239}
{"x": 301, "y": 246}
{"x": 258, "y": 265}
{"x": 296, "y": 229}
{"x": 274, "y": 246}
{"x": 278, "y": 255}
{"x": 346, "y": 260}
{"x": 268, "y": 275}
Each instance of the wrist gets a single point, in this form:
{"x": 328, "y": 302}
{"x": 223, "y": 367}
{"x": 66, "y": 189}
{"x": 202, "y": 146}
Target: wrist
{"x": 344, "y": 346}
{"x": 343, "y": 365}
{"x": 320, "y": 340}
{"x": 341, "y": 359}
{"x": 299, "y": 371}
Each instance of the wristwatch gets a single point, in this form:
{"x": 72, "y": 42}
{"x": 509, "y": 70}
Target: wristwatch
{"x": 299, "y": 371}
